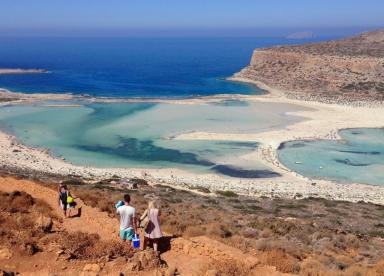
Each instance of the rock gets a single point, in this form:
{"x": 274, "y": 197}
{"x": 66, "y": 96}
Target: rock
{"x": 5, "y": 253}
{"x": 7, "y": 273}
{"x": 92, "y": 267}
{"x": 91, "y": 270}
{"x": 212, "y": 272}
{"x": 187, "y": 248}
{"x": 143, "y": 260}
{"x": 134, "y": 265}
{"x": 54, "y": 247}
{"x": 103, "y": 260}
{"x": 344, "y": 71}
{"x": 30, "y": 248}
{"x": 45, "y": 223}
{"x": 159, "y": 272}
{"x": 171, "y": 271}
{"x": 120, "y": 261}
{"x": 63, "y": 255}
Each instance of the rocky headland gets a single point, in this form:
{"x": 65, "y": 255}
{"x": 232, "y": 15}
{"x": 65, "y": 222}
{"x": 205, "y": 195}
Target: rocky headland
{"x": 339, "y": 71}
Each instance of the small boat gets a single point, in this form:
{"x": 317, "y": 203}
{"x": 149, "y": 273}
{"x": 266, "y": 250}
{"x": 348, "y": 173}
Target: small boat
{"x": 321, "y": 167}
{"x": 298, "y": 162}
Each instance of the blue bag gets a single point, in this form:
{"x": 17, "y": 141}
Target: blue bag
{"x": 119, "y": 204}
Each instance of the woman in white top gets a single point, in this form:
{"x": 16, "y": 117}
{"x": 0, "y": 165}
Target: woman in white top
{"x": 152, "y": 231}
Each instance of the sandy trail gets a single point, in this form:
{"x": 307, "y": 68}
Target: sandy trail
{"x": 91, "y": 221}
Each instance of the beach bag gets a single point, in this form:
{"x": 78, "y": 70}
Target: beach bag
{"x": 136, "y": 242}
{"x": 70, "y": 199}
{"x": 145, "y": 222}
{"x": 119, "y": 204}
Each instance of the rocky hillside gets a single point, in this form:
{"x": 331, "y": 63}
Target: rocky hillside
{"x": 350, "y": 69}
{"x": 224, "y": 235}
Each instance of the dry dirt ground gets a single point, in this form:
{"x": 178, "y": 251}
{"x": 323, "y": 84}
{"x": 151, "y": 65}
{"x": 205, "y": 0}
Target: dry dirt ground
{"x": 183, "y": 256}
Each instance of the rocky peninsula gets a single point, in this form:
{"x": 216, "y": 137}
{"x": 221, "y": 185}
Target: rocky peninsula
{"x": 343, "y": 71}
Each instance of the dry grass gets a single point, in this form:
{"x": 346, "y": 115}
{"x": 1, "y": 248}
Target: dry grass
{"x": 21, "y": 224}
{"x": 23, "y": 231}
{"x": 281, "y": 260}
{"x": 85, "y": 246}
{"x": 226, "y": 268}
{"x": 295, "y": 232}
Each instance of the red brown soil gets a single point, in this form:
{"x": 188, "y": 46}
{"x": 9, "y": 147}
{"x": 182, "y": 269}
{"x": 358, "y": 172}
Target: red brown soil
{"x": 194, "y": 256}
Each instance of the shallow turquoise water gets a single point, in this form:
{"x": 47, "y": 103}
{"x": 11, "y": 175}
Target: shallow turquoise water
{"x": 359, "y": 157}
{"x": 138, "y": 134}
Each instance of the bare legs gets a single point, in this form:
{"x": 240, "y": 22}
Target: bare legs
{"x": 155, "y": 243}
{"x": 145, "y": 243}
{"x": 129, "y": 243}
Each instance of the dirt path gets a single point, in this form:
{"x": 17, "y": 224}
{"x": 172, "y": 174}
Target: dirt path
{"x": 188, "y": 255}
{"x": 91, "y": 221}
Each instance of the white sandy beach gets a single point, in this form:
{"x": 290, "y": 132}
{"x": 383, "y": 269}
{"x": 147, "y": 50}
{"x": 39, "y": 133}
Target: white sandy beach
{"x": 324, "y": 121}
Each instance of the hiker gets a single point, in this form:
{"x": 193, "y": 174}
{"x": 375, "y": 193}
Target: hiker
{"x": 66, "y": 200}
{"x": 59, "y": 187}
{"x": 128, "y": 226}
{"x": 150, "y": 221}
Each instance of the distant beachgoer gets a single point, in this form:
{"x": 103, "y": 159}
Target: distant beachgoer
{"x": 128, "y": 226}
{"x": 66, "y": 200}
{"x": 59, "y": 187}
{"x": 151, "y": 225}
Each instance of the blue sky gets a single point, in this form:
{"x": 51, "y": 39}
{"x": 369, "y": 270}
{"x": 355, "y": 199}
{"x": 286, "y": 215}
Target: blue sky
{"x": 194, "y": 16}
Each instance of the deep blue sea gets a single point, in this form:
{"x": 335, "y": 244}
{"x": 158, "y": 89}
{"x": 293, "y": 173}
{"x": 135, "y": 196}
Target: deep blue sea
{"x": 130, "y": 67}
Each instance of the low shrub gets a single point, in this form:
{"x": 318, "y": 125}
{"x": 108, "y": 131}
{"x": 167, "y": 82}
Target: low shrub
{"x": 282, "y": 261}
{"x": 86, "y": 246}
{"x": 226, "y": 268}
{"x": 227, "y": 193}
{"x": 200, "y": 189}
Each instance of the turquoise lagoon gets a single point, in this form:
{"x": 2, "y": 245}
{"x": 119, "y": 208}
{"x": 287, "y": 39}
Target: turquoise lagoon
{"x": 358, "y": 157}
{"x": 139, "y": 134}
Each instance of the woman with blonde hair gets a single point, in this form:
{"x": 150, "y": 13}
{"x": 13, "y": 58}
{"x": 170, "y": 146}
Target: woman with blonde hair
{"x": 150, "y": 221}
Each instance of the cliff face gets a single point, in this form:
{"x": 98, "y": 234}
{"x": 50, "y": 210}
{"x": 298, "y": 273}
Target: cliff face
{"x": 352, "y": 69}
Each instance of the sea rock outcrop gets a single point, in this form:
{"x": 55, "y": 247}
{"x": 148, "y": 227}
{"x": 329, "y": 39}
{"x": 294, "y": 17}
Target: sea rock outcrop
{"x": 351, "y": 69}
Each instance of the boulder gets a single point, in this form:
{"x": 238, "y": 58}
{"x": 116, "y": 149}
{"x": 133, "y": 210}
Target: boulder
{"x": 211, "y": 272}
{"x": 45, "y": 223}
{"x": 133, "y": 265}
{"x": 171, "y": 271}
{"x": 143, "y": 260}
{"x": 5, "y": 253}
{"x": 91, "y": 270}
{"x": 7, "y": 273}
